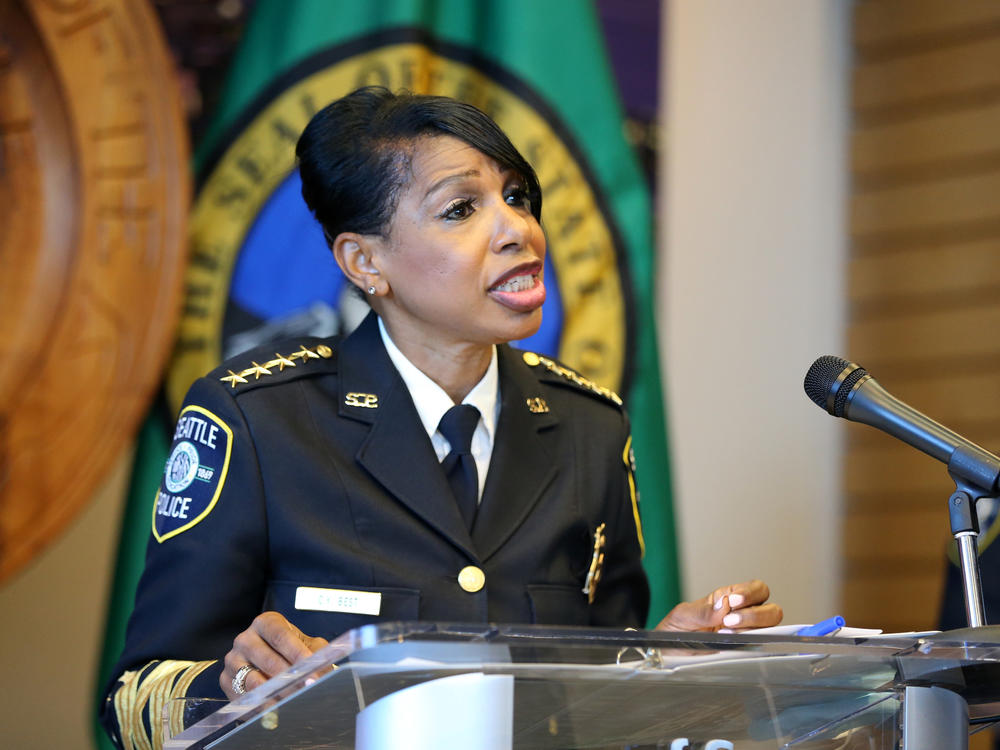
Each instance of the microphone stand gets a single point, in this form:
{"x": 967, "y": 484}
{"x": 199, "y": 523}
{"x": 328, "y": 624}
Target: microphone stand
{"x": 965, "y": 528}
{"x": 975, "y": 479}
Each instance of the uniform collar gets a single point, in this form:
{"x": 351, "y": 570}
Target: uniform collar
{"x": 430, "y": 399}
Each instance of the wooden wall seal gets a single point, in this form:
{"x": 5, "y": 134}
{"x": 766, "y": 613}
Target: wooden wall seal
{"x": 94, "y": 194}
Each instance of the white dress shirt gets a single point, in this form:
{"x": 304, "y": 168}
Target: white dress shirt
{"x": 432, "y": 402}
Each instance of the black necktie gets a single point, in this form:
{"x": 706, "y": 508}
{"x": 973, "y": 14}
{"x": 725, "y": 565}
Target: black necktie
{"x": 457, "y": 426}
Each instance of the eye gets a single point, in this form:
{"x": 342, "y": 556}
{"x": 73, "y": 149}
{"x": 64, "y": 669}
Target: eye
{"x": 518, "y": 197}
{"x": 459, "y": 209}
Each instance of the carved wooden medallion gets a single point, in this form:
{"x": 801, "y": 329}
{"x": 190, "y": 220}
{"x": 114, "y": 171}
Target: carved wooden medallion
{"x": 94, "y": 195}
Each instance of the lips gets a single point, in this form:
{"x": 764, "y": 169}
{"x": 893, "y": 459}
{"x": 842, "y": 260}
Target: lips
{"x": 521, "y": 288}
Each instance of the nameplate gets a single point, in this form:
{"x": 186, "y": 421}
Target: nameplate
{"x": 338, "y": 600}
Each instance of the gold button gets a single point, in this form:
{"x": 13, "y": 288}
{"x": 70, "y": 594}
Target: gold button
{"x": 531, "y": 359}
{"x": 471, "y": 579}
{"x": 324, "y": 351}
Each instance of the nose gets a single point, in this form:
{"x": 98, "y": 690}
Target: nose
{"x": 514, "y": 228}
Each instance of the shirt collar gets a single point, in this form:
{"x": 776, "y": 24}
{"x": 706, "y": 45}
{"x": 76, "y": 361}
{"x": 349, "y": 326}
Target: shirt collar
{"x": 431, "y": 400}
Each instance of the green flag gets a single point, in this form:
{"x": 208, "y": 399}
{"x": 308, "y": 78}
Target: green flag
{"x": 259, "y": 267}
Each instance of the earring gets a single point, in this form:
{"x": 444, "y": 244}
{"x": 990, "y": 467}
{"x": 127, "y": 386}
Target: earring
{"x": 371, "y": 289}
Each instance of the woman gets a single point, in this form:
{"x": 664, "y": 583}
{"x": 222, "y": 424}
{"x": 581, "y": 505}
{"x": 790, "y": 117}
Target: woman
{"x": 319, "y": 485}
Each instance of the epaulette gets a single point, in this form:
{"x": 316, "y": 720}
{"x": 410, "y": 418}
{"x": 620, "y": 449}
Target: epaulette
{"x": 536, "y": 360}
{"x": 265, "y": 370}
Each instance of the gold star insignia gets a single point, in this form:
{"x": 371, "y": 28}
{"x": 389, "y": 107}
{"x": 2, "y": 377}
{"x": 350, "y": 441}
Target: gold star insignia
{"x": 280, "y": 362}
{"x": 256, "y": 370}
{"x": 233, "y": 379}
{"x": 304, "y": 354}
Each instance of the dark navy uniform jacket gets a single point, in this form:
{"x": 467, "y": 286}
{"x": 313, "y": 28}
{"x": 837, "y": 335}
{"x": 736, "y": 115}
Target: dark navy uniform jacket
{"x": 321, "y": 475}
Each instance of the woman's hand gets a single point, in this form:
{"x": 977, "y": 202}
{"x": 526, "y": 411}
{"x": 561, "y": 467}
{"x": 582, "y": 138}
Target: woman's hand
{"x": 729, "y": 609}
{"x": 270, "y": 645}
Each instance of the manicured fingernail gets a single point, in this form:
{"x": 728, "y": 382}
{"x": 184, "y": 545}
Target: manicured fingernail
{"x": 718, "y": 603}
{"x": 731, "y": 619}
{"x": 735, "y": 600}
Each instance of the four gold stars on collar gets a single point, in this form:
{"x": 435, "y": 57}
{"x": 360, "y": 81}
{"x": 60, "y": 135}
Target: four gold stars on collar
{"x": 321, "y": 351}
{"x": 533, "y": 360}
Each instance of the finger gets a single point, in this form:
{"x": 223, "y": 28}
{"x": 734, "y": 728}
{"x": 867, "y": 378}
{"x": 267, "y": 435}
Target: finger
{"x": 745, "y": 594}
{"x": 253, "y": 647}
{"x": 255, "y": 678}
{"x": 719, "y": 600}
{"x": 272, "y": 644}
{"x": 232, "y": 663}
{"x": 760, "y": 616}
{"x": 242, "y": 655}
{"x": 729, "y": 597}
{"x": 283, "y": 637}
{"x": 315, "y": 644}
{"x": 692, "y": 616}
{"x": 250, "y": 647}
{"x": 226, "y": 683}
{"x": 258, "y": 676}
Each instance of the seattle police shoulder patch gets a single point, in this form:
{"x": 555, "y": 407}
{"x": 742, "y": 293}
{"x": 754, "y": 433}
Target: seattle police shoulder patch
{"x": 194, "y": 474}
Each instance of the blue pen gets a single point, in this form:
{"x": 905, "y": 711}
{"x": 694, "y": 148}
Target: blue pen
{"x": 823, "y": 627}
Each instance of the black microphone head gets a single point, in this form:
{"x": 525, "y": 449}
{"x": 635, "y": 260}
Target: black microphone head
{"x": 829, "y": 382}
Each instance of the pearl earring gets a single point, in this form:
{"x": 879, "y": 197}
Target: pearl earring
{"x": 371, "y": 290}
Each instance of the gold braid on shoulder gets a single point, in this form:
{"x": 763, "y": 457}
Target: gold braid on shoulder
{"x": 534, "y": 360}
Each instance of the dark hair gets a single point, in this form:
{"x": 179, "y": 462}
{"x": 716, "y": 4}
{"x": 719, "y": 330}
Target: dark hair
{"x": 354, "y": 154}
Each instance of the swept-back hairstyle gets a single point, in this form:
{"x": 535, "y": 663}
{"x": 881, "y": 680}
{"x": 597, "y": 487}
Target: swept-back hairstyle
{"x": 354, "y": 155}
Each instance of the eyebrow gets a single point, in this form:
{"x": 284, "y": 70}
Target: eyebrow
{"x": 451, "y": 178}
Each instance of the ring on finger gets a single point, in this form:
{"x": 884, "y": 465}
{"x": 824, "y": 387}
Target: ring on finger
{"x": 240, "y": 678}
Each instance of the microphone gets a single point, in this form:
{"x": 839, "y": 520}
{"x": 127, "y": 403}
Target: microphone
{"x": 846, "y": 390}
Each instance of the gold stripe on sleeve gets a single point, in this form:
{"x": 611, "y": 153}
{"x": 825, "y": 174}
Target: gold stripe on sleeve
{"x": 627, "y": 458}
{"x": 144, "y": 693}
{"x": 180, "y": 691}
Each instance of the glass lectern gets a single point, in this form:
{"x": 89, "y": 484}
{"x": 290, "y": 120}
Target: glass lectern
{"x": 420, "y": 685}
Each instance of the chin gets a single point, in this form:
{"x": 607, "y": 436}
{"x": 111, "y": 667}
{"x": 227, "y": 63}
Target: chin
{"x": 526, "y": 326}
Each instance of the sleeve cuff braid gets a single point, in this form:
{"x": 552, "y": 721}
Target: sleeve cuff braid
{"x": 141, "y": 695}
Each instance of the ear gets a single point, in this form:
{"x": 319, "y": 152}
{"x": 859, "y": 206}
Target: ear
{"x": 356, "y": 254}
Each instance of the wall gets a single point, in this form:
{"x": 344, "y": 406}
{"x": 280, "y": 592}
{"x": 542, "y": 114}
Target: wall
{"x": 924, "y": 283}
{"x": 752, "y": 216}
{"x": 53, "y": 629}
